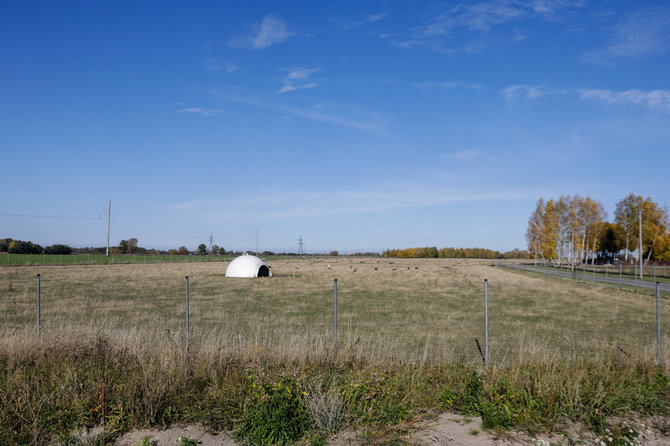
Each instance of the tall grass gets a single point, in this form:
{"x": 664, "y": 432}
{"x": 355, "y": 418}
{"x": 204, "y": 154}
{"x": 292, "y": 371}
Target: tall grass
{"x": 112, "y": 348}
{"x": 72, "y": 380}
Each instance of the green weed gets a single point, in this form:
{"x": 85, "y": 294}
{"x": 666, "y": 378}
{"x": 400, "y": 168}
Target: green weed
{"x": 274, "y": 413}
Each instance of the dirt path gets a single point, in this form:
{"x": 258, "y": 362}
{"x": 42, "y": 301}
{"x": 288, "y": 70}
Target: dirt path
{"x": 447, "y": 430}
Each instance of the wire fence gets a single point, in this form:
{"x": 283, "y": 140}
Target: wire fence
{"x": 473, "y": 322}
{"x": 625, "y": 277}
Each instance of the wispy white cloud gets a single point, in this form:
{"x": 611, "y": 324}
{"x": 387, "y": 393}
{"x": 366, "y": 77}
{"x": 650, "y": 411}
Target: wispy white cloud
{"x": 292, "y": 80}
{"x": 643, "y": 34}
{"x": 447, "y": 85}
{"x": 213, "y": 65}
{"x": 634, "y": 97}
{"x": 348, "y": 23}
{"x": 299, "y": 73}
{"x": 344, "y": 22}
{"x": 270, "y": 31}
{"x": 201, "y": 111}
{"x": 650, "y": 99}
{"x": 479, "y": 18}
{"x": 292, "y": 87}
{"x": 465, "y": 155}
{"x": 377, "y": 17}
{"x": 531, "y": 91}
{"x": 373, "y": 124}
{"x": 279, "y": 204}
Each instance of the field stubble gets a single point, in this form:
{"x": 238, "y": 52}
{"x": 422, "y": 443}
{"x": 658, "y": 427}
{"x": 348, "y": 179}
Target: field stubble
{"x": 404, "y": 311}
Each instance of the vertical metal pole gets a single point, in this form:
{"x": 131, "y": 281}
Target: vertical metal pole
{"x": 187, "y": 322}
{"x": 620, "y": 268}
{"x": 640, "y": 248}
{"x": 486, "y": 321}
{"x": 635, "y": 274}
{"x": 658, "y": 323}
{"x": 39, "y": 325}
{"x": 606, "y": 270}
{"x": 654, "y": 273}
{"x": 109, "y": 216}
{"x": 335, "y": 318}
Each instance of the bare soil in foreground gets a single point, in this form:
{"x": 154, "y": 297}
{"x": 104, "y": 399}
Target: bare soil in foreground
{"x": 447, "y": 429}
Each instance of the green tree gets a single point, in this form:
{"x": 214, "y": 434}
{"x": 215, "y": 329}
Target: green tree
{"x": 124, "y": 247}
{"x": 610, "y": 241}
{"x": 58, "y": 249}
{"x": 23, "y": 247}
{"x": 4, "y": 244}
{"x": 202, "y": 249}
{"x": 182, "y": 251}
{"x": 132, "y": 245}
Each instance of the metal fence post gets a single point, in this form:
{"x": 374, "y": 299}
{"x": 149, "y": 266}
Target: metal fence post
{"x": 594, "y": 272}
{"x": 486, "y": 321}
{"x": 187, "y": 322}
{"x": 39, "y": 325}
{"x": 635, "y": 275}
{"x": 335, "y": 318}
{"x": 658, "y": 322}
{"x": 620, "y": 279}
{"x": 606, "y": 270}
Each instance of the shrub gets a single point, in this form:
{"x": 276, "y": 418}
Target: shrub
{"x": 274, "y": 414}
{"x": 58, "y": 249}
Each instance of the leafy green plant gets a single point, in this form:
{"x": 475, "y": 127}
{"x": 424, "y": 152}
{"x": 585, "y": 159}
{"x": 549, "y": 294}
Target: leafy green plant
{"x": 187, "y": 441}
{"x": 146, "y": 441}
{"x": 275, "y": 413}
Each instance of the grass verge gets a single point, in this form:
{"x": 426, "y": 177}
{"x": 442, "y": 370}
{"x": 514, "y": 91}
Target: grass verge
{"x": 52, "y": 389}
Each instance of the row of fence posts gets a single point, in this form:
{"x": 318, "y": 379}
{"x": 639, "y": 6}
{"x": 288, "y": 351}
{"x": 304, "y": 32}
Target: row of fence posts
{"x": 485, "y": 357}
{"x": 635, "y": 275}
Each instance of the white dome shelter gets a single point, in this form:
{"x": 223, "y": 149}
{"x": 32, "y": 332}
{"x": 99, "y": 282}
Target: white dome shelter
{"x": 248, "y": 266}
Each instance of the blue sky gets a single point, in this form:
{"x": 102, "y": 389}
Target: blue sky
{"x": 360, "y": 125}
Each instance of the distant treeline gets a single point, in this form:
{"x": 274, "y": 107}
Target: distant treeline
{"x": 22, "y": 247}
{"x": 453, "y": 253}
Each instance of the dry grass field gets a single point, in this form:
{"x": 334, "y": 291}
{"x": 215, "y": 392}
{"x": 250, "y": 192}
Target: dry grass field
{"x": 400, "y": 310}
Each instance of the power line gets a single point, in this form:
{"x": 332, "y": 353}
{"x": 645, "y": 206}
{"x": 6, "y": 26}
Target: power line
{"x": 51, "y": 216}
{"x": 16, "y": 203}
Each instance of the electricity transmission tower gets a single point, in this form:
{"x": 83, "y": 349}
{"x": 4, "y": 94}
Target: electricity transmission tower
{"x": 211, "y": 241}
{"x": 301, "y": 246}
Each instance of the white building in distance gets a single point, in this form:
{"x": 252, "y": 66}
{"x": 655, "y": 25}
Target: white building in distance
{"x": 248, "y": 266}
